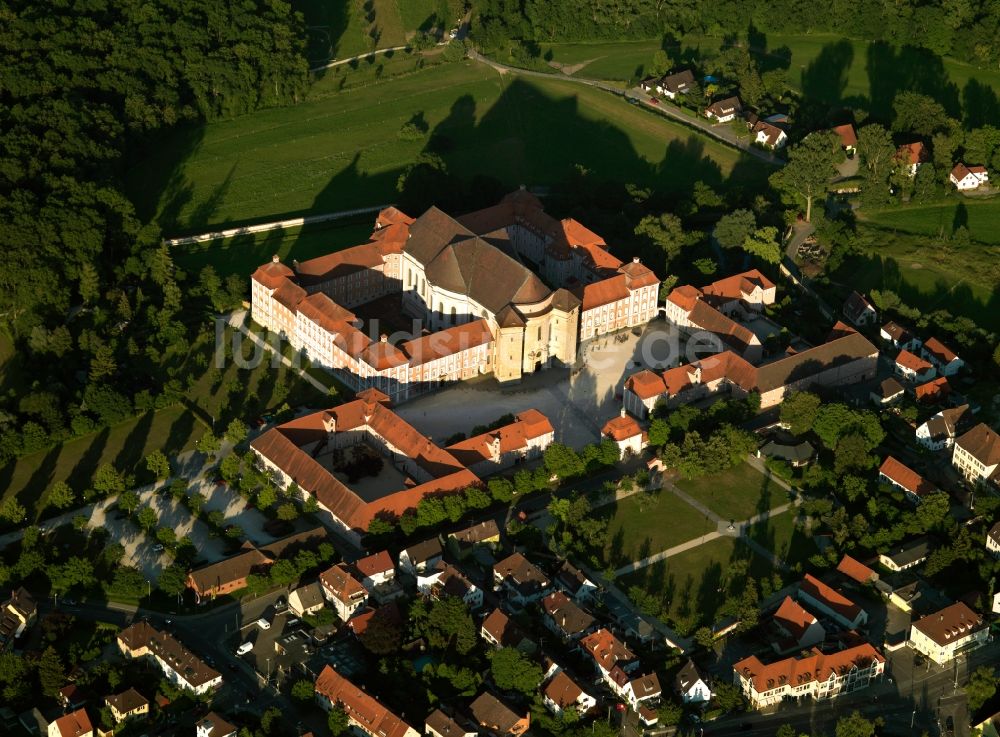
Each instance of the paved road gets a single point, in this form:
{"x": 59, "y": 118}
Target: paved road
{"x": 720, "y": 132}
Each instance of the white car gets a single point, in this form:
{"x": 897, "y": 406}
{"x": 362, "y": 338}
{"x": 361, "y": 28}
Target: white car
{"x": 244, "y": 648}
{"x": 158, "y": 548}
{"x": 263, "y": 624}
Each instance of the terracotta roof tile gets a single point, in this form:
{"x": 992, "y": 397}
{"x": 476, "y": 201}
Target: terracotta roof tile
{"x": 939, "y": 351}
{"x": 799, "y": 671}
{"x": 372, "y": 716}
{"x": 855, "y": 570}
{"x": 829, "y": 596}
{"x": 912, "y": 362}
{"x": 904, "y": 476}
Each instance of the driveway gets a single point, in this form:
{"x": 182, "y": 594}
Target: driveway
{"x": 577, "y": 401}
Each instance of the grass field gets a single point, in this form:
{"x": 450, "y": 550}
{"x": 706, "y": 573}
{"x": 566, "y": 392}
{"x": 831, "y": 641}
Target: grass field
{"x": 340, "y": 150}
{"x": 641, "y": 525}
{"x": 826, "y": 67}
{"x": 243, "y": 254}
{"x": 689, "y": 583}
{"x": 981, "y": 218}
{"x": 781, "y": 536}
{"x": 736, "y": 494}
{"x": 222, "y": 395}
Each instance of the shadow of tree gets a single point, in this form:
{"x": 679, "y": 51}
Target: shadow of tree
{"x": 130, "y": 455}
{"x": 83, "y": 472}
{"x": 825, "y": 78}
{"x": 892, "y": 70}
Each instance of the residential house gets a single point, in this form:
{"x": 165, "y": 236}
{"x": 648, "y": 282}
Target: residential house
{"x": 819, "y": 675}
{"x": 71, "y": 697}
{"x": 129, "y": 703}
{"x": 213, "y": 725}
{"x": 795, "y": 454}
{"x": 178, "y": 664}
{"x": 520, "y": 578}
{"x": 446, "y": 580}
{"x": 439, "y": 724}
{"x": 906, "y": 555}
{"x": 913, "y": 368}
{"x": 856, "y": 570}
{"x": 830, "y": 602}
{"x": 888, "y": 392}
{"x": 565, "y": 618}
{"x": 496, "y": 718}
{"x": 968, "y": 177}
{"x": 910, "y": 156}
{"x": 903, "y": 477}
{"x": 343, "y": 591}
{"x": 691, "y": 686}
{"x": 74, "y": 724}
{"x": 365, "y": 713}
{"x": 767, "y": 135}
{"x": 574, "y": 582}
{"x": 499, "y": 631}
{"x": 375, "y": 569}
{"x": 944, "y": 358}
{"x": 939, "y": 432}
{"x": 675, "y": 84}
{"x": 16, "y": 615}
{"x": 798, "y": 628}
{"x": 482, "y": 535}
{"x": 976, "y": 455}
{"x": 723, "y": 111}
{"x": 934, "y": 391}
{"x": 626, "y": 433}
{"x": 859, "y": 310}
{"x": 899, "y": 337}
{"x": 636, "y": 690}
{"x": 523, "y": 440}
{"x": 950, "y": 632}
{"x": 848, "y": 138}
{"x": 306, "y": 599}
{"x": 561, "y": 692}
{"x": 387, "y": 613}
{"x": 418, "y": 558}
{"x": 610, "y": 656}
{"x": 993, "y": 540}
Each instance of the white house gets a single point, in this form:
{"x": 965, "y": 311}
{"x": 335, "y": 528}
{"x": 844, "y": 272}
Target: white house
{"x": 944, "y": 358}
{"x": 910, "y": 156}
{"x": 522, "y": 581}
{"x": 626, "y": 433}
{"x": 950, "y": 632}
{"x": 859, "y": 310}
{"x": 691, "y": 686}
{"x": 767, "y": 135}
{"x": 969, "y": 177}
{"x": 343, "y": 591}
{"x": 912, "y": 367}
{"x": 418, "y": 558}
{"x": 306, "y": 599}
{"x": 212, "y": 725}
{"x": 638, "y": 689}
{"x": 75, "y": 724}
{"x": 976, "y": 455}
{"x": 675, "y": 84}
{"x": 908, "y": 555}
{"x": 178, "y": 664}
{"x": 562, "y": 692}
{"x": 831, "y": 602}
{"x": 993, "y": 540}
{"x": 939, "y": 432}
{"x": 899, "y": 337}
{"x": 799, "y": 629}
{"x": 725, "y": 110}
{"x": 898, "y": 474}
{"x": 445, "y": 579}
{"x": 439, "y": 724}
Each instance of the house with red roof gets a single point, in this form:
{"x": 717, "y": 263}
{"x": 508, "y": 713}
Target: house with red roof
{"x": 524, "y": 439}
{"x": 626, "y": 433}
{"x": 798, "y": 629}
{"x": 364, "y": 712}
{"x": 74, "y": 724}
{"x": 856, "y": 570}
{"x": 826, "y": 600}
{"x": 895, "y": 473}
{"x": 944, "y": 358}
{"x": 848, "y": 138}
{"x": 342, "y": 590}
{"x": 933, "y": 391}
{"x": 912, "y": 367}
{"x": 910, "y": 156}
{"x": 968, "y": 177}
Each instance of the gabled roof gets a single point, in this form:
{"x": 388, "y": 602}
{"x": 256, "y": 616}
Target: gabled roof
{"x": 521, "y": 573}
{"x": 951, "y": 623}
{"x": 982, "y": 443}
{"x": 946, "y": 423}
{"x": 339, "y": 582}
{"x": 74, "y": 724}
{"x": 793, "y": 619}
{"x": 897, "y": 333}
{"x": 566, "y": 615}
{"x": 562, "y": 690}
{"x": 904, "y": 476}
{"x": 734, "y": 335}
{"x": 829, "y": 596}
{"x": 374, "y": 564}
{"x": 687, "y": 677}
{"x": 856, "y": 305}
{"x": 606, "y": 649}
{"x": 445, "y": 725}
{"x": 798, "y": 671}
{"x": 855, "y": 570}
{"x": 424, "y": 551}
{"x": 216, "y": 726}
{"x": 772, "y": 133}
{"x": 939, "y": 351}
{"x": 621, "y": 428}
{"x": 934, "y": 389}
{"x": 127, "y": 701}
{"x": 678, "y": 81}
{"x": 909, "y": 552}
{"x": 848, "y": 138}
{"x": 912, "y": 153}
{"x": 516, "y": 436}
{"x": 477, "y": 533}
{"x": 912, "y": 362}
{"x": 392, "y": 215}
{"x": 736, "y": 286}
{"x": 725, "y": 106}
{"x": 492, "y": 713}
{"x": 272, "y": 274}
{"x": 499, "y": 626}
{"x": 571, "y": 578}
{"x": 363, "y": 709}
{"x": 889, "y": 388}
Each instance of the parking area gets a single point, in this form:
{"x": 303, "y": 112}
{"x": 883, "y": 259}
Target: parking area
{"x": 578, "y": 400}
{"x": 234, "y": 507}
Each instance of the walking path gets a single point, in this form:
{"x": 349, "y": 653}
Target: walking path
{"x": 359, "y": 57}
{"x": 719, "y": 132}
{"x": 238, "y": 320}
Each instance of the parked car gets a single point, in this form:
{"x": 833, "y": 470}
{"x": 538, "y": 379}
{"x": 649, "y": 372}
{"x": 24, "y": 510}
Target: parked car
{"x": 654, "y": 101}
{"x": 158, "y": 548}
{"x": 263, "y": 624}
{"x": 244, "y": 648}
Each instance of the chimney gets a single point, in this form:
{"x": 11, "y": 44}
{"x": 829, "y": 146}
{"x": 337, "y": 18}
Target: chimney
{"x": 275, "y": 259}
{"x": 383, "y": 338}
{"x": 622, "y": 412}
{"x": 635, "y": 259}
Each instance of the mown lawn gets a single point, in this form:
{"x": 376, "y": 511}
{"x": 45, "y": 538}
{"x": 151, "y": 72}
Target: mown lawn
{"x": 340, "y": 149}
{"x": 980, "y": 217}
{"x": 642, "y": 525}
{"x": 736, "y": 494}
{"x": 688, "y": 584}
{"x": 784, "y": 538}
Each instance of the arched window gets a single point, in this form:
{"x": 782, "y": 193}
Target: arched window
{"x": 454, "y": 314}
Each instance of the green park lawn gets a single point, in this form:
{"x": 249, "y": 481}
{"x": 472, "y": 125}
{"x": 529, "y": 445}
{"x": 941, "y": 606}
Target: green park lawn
{"x": 784, "y": 538}
{"x": 980, "y": 216}
{"x": 643, "y": 524}
{"x": 688, "y": 584}
{"x": 223, "y": 395}
{"x": 736, "y": 494}
{"x": 340, "y": 149}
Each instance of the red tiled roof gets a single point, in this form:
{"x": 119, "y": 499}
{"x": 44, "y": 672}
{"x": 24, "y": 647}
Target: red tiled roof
{"x": 272, "y": 274}
{"x": 847, "y": 135}
{"x": 829, "y": 596}
{"x": 447, "y": 342}
{"x": 792, "y": 618}
{"x": 376, "y": 563}
{"x": 645, "y": 384}
{"x": 362, "y": 708}
{"x": 940, "y": 351}
{"x": 74, "y": 724}
{"x": 562, "y": 690}
{"x": 603, "y": 292}
{"x": 934, "y": 389}
{"x": 685, "y": 296}
{"x": 912, "y": 153}
{"x": 706, "y": 317}
{"x": 392, "y": 215}
{"x": 529, "y": 425}
{"x": 340, "y": 583}
{"x": 912, "y": 362}
{"x": 856, "y": 570}
{"x": 906, "y": 477}
{"x": 897, "y": 332}
{"x": 735, "y": 286}
{"x": 606, "y": 649}
{"x": 621, "y": 428}
{"x": 340, "y": 263}
{"x": 813, "y": 667}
